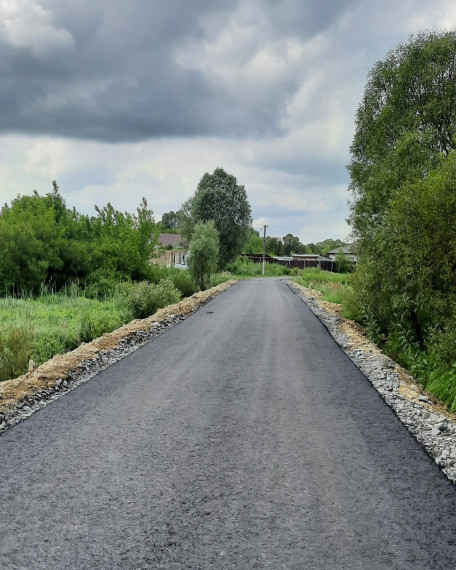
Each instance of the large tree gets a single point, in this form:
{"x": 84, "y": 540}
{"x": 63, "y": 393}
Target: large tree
{"x": 221, "y": 199}
{"x": 401, "y": 169}
{"x": 404, "y": 125}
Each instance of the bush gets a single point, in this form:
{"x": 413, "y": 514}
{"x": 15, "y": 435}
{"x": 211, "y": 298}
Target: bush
{"x": 183, "y": 281}
{"x": 146, "y": 298}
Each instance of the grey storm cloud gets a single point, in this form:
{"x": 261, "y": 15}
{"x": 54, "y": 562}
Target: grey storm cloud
{"x": 108, "y": 70}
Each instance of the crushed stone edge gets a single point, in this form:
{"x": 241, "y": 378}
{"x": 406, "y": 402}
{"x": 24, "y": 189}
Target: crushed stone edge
{"x": 432, "y": 426}
{"x": 53, "y": 379}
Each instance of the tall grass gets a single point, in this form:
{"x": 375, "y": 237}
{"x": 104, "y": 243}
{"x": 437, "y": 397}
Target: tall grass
{"x": 243, "y": 267}
{"x": 423, "y": 362}
{"x": 334, "y": 287}
{"x": 54, "y": 323}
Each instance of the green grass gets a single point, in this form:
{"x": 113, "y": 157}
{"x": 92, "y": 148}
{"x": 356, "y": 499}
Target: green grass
{"x": 437, "y": 378}
{"x": 335, "y": 288}
{"x": 53, "y": 324}
{"x": 40, "y": 327}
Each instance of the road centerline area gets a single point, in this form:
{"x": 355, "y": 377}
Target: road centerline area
{"x": 242, "y": 438}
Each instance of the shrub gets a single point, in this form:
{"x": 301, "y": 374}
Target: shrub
{"x": 95, "y": 324}
{"x": 183, "y": 281}
{"x": 146, "y": 298}
{"x": 102, "y": 284}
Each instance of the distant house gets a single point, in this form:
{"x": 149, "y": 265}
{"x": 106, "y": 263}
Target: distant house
{"x": 348, "y": 250}
{"x": 171, "y": 251}
{"x": 309, "y": 257}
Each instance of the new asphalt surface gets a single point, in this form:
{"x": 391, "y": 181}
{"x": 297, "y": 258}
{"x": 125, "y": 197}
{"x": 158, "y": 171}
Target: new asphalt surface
{"x": 242, "y": 438}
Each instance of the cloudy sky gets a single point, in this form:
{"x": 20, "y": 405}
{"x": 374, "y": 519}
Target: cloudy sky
{"x": 118, "y": 100}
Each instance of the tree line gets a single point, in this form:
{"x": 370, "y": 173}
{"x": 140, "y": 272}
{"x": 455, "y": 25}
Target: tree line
{"x": 45, "y": 242}
{"x": 403, "y": 206}
{"x": 288, "y": 244}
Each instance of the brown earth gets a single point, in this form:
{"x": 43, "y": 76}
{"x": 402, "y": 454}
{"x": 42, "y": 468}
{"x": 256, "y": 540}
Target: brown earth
{"x": 358, "y": 340}
{"x": 47, "y": 374}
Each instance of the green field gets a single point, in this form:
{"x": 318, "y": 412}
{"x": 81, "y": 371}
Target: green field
{"x": 53, "y": 324}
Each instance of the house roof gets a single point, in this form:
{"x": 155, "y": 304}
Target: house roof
{"x": 173, "y": 240}
{"x": 305, "y": 255}
{"x": 351, "y": 248}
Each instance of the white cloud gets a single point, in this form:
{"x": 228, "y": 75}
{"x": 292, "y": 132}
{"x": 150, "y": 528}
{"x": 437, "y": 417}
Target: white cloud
{"x": 26, "y": 24}
{"x": 312, "y": 79}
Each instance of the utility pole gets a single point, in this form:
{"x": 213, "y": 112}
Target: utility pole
{"x": 264, "y": 247}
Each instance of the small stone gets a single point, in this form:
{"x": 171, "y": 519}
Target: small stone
{"x": 64, "y": 383}
{"x": 435, "y": 431}
{"x": 422, "y": 398}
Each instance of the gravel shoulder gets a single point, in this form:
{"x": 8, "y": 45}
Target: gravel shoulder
{"x": 21, "y": 397}
{"x": 427, "y": 419}
{"x": 242, "y": 438}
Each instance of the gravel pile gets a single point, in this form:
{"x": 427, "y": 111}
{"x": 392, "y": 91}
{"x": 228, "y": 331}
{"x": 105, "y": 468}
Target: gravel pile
{"x": 433, "y": 429}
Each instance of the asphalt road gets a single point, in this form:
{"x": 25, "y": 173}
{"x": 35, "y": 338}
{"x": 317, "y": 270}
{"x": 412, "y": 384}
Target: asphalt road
{"x": 242, "y": 438}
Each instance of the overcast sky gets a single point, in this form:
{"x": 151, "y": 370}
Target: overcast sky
{"x": 118, "y": 100}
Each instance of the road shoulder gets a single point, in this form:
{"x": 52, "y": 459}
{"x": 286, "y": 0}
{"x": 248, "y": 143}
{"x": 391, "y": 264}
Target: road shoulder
{"x": 428, "y": 420}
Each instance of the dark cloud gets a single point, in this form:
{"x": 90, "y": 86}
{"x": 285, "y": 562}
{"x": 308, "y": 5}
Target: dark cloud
{"x": 107, "y": 70}
{"x": 308, "y": 17}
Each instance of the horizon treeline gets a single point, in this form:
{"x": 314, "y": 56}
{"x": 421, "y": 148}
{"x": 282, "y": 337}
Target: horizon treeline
{"x": 43, "y": 242}
{"x": 172, "y": 222}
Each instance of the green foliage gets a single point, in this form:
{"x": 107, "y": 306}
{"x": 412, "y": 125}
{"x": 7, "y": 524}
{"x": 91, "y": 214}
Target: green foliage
{"x": 170, "y": 221}
{"x": 243, "y": 267}
{"x": 274, "y": 246}
{"x": 183, "y": 281}
{"x": 254, "y": 243}
{"x": 43, "y": 241}
{"x": 403, "y": 169}
{"x": 146, "y": 298}
{"x": 404, "y": 125}
{"x": 204, "y": 253}
{"x": 341, "y": 262}
{"x": 291, "y": 244}
{"x": 220, "y": 199}
{"x": 16, "y": 348}
{"x": 322, "y": 247}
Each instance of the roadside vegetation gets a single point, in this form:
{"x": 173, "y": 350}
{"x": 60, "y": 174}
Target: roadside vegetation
{"x": 403, "y": 208}
{"x": 334, "y": 287}
{"x": 37, "y": 327}
{"x": 425, "y": 363}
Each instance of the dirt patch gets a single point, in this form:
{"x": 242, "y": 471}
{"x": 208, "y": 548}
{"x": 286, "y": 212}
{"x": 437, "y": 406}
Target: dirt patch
{"x": 61, "y": 366}
{"x": 357, "y": 339}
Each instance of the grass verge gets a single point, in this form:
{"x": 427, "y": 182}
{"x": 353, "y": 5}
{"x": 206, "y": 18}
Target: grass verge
{"x": 438, "y": 379}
